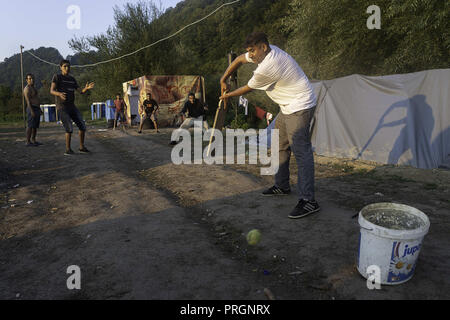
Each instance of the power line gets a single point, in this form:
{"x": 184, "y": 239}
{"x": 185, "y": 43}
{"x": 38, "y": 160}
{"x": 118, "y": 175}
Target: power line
{"x": 143, "y": 48}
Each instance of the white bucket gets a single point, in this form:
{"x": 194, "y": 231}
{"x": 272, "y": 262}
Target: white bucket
{"x": 390, "y": 238}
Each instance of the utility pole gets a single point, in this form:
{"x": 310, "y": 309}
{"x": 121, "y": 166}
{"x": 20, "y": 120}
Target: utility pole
{"x": 23, "y": 97}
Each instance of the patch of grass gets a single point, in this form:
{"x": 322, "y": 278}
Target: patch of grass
{"x": 430, "y": 186}
{"x": 11, "y": 118}
{"x": 342, "y": 167}
{"x": 101, "y": 122}
{"x": 361, "y": 171}
{"x": 397, "y": 178}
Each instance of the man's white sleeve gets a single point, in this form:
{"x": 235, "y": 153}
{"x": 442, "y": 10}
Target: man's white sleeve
{"x": 261, "y": 82}
{"x": 247, "y": 56}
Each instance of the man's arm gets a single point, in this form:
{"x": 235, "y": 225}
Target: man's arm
{"x": 231, "y": 69}
{"x": 86, "y": 88}
{"x": 236, "y": 93}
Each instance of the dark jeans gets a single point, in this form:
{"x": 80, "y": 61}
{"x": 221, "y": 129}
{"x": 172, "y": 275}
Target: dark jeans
{"x": 120, "y": 115}
{"x": 34, "y": 122}
{"x": 295, "y": 136}
{"x": 69, "y": 114}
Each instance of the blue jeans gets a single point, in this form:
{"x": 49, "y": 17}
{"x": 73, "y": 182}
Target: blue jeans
{"x": 295, "y": 136}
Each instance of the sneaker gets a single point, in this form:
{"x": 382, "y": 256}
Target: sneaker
{"x": 29, "y": 144}
{"x": 140, "y": 132}
{"x": 84, "y": 150}
{"x": 304, "y": 208}
{"x": 69, "y": 152}
{"x": 275, "y": 191}
{"x": 37, "y": 144}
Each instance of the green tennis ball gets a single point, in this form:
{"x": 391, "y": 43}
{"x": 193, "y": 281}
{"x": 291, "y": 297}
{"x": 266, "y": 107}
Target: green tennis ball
{"x": 253, "y": 237}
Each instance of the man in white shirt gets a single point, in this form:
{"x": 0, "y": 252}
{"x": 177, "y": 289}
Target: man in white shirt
{"x": 287, "y": 85}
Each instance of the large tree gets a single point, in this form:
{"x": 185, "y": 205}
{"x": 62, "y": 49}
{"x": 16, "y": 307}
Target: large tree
{"x": 331, "y": 38}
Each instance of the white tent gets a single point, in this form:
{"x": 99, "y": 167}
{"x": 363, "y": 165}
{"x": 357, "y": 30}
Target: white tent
{"x": 397, "y": 119}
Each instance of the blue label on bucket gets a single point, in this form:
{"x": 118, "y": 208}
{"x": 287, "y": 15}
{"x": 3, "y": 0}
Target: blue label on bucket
{"x": 403, "y": 260}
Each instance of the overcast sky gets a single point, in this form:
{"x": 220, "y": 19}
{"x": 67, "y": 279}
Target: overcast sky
{"x": 35, "y": 24}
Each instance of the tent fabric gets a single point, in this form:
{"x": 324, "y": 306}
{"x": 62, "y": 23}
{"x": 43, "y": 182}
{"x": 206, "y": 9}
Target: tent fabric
{"x": 170, "y": 92}
{"x": 397, "y": 119}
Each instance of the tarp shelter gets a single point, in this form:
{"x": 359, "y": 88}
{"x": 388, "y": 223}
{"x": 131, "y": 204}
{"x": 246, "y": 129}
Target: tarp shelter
{"x": 110, "y": 110}
{"x": 397, "y": 119}
{"x": 170, "y": 92}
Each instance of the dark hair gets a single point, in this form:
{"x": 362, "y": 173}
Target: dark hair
{"x": 256, "y": 38}
{"x": 191, "y": 94}
{"x": 63, "y": 62}
{"x": 118, "y": 94}
{"x": 29, "y": 74}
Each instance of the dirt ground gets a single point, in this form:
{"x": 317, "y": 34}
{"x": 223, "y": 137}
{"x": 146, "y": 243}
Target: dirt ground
{"x": 140, "y": 227}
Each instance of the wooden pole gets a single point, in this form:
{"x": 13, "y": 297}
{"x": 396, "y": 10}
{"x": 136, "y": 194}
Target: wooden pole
{"x": 23, "y": 97}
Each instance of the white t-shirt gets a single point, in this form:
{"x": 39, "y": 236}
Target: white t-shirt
{"x": 284, "y": 81}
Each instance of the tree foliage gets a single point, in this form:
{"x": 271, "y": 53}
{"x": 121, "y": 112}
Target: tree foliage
{"x": 201, "y": 49}
{"x": 328, "y": 38}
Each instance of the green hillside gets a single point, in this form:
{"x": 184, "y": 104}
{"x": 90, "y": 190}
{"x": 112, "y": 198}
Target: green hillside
{"x": 328, "y": 38}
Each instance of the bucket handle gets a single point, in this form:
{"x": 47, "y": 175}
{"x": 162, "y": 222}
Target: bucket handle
{"x": 366, "y": 228}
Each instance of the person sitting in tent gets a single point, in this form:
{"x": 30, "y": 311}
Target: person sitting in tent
{"x": 147, "y": 110}
{"x": 196, "y": 111}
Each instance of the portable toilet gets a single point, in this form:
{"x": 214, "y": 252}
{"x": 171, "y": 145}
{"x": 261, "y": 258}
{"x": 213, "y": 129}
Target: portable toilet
{"x": 101, "y": 110}
{"x": 42, "y": 113}
{"x": 98, "y": 110}
{"x": 48, "y": 113}
{"x": 110, "y": 112}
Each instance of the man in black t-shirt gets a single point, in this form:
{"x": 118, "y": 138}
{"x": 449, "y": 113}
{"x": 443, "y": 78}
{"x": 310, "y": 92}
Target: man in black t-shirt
{"x": 147, "y": 110}
{"x": 63, "y": 88}
{"x": 196, "y": 112}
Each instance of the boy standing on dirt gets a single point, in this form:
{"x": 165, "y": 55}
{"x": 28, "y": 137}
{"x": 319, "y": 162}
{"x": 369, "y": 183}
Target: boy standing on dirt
{"x": 287, "y": 85}
{"x": 121, "y": 109}
{"x": 33, "y": 111}
{"x": 147, "y": 110}
{"x": 63, "y": 88}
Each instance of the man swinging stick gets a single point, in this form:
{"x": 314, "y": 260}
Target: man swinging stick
{"x": 287, "y": 85}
